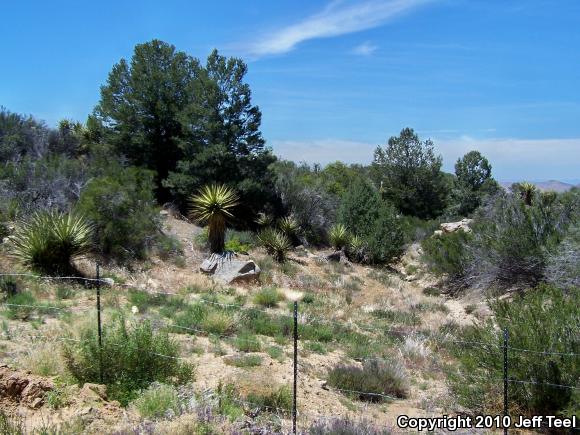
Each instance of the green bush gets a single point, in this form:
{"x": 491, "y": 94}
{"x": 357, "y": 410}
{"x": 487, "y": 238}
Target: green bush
{"x": 375, "y": 378}
{"x": 244, "y": 360}
{"x": 447, "y": 253}
{"x": 22, "y": 306}
{"x": 157, "y": 401}
{"x": 122, "y": 207}
{"x": 133, "y": 358}
{"x": 277, "y": 400}
{"x": 373, "y": 220}
{"x": 50, "y": 240}
{"x": 239, "y": 241}
{"x": 512, "y": 241}
{"x": 544, "y": 319}
{"x": 268, "y": 297}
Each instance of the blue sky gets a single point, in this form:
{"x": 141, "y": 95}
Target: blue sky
{"x": 335, "y": 78}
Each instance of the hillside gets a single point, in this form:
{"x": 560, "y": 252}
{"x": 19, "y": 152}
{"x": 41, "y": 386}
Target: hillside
{"x": 390, "y": 313}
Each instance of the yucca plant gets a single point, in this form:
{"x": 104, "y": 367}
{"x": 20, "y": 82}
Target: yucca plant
{"x": 213, "y": 205}
{"x": 264, "y": 219}
{"x": 277, "y": 244}
{"x": 339, "y": 236}
{"x": 527, "y": 192}
{"x": 50, "y": 240}
{"x": 289, "y": 226}
{"x": 356, "y": 249}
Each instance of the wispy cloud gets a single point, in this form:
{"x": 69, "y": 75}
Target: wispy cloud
{"x": 365, "y": 49}
{"x": 338, "y": 18}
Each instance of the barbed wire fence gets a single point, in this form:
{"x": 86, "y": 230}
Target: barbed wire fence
{"x": 296, "y": 318}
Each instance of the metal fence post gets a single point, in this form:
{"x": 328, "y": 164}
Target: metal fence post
{"x": 505, "y": 377}
{"x": 99, "y": 322}
{"x": 295, "y": 367}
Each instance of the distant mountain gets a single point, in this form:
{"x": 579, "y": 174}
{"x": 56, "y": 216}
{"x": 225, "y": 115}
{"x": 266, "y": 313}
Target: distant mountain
{"x": 553, "y": 185}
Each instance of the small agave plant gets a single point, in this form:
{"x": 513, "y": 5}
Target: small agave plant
{"x": 213, "y": 205}
{"x": 339, "y": 236}
{"x": 289, "y": 226}
{"x": 264, "y": 219}
{"x": 276, "y": 243}
{"x": 50, "y": 240}
{"x": 356, "y": 249}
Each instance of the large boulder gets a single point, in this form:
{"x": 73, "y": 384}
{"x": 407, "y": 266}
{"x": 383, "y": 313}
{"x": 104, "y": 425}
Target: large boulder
{"x": 22, "y": 387}
{"x": 229, "y": 268}
{"x": 452, "y": 227}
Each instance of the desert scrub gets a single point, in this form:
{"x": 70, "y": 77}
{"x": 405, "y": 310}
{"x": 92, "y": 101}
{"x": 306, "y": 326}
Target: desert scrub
{"x": 371, "y": 382}
{"x": 274, "y": 399}
{"x": 244, "y": 360}
{"x": 247, "y": 343}
{"x": 133, "y": 358}
{"x": 121, "y": 205}
{"x": 447, "y": 254}
{"x": 157, "y": 401}
{"x": 544, "y": 319}
{"x": 268, "y": 297}
{"x": 20, "y": 306}
{"x": 397, "y": 317}
{"x": 200, "y": 318}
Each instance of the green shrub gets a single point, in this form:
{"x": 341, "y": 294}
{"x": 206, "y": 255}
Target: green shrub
{"x": 544, "y": 319}
{"x": 244, "y": 361}
{"x": 276, "y": 243}
{"x": 447, "y": 253}
{"x": 157, "y": 401}
{"x": 375, "y": 378}
{"x": 22, "y": 306}
{"x": 122, "y": 208}
{"x": 239, "y": 241}
{"x": 513, "y": 241}
{"x": 416, "y": 229}
{"x": 133, "y": 358}
{"x": 268, "y": 297}
{"x": 276, "y": 400}
{"x": 373, "y": 220}
{"x": 247, "y": 343}
{"x": 50, "y": 240}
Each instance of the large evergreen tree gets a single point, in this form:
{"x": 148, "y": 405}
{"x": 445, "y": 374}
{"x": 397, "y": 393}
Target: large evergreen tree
{"x": 473, "y": 182}
{"x": 192, "y": 124}
{"x": 410, "y": 176}
{"x": 226, "y": 144}
{"x": 143, "y": 104}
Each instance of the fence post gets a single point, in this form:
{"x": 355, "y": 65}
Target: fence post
{"x": 505, "y": 377}
{"x": 295, "y": 367}
{"x": 99, "y": 322}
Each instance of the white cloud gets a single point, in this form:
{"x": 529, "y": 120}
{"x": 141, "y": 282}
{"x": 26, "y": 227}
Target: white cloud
{"x": 365, "y": 49}
{"x": 336, "y": 19}
{"x": 511, "y": 158}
